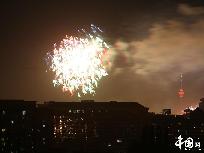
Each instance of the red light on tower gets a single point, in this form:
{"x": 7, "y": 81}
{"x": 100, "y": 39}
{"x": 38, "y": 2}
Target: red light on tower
{"x": 181, "y": 93}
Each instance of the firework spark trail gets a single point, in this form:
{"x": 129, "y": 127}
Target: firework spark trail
{"x": 78, "y": 62}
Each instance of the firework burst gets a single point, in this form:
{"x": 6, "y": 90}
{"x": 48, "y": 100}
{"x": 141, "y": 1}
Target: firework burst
{"x": 78, "y": 62}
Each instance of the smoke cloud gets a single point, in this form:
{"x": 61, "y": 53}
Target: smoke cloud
{"x": 149, "y": 69}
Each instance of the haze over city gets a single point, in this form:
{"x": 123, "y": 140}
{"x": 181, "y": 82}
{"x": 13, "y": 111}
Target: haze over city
{"x": 151, "y": 44}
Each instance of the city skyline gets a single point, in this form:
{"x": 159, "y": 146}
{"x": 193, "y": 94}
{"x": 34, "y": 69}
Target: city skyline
{"x": 27, "y": 126}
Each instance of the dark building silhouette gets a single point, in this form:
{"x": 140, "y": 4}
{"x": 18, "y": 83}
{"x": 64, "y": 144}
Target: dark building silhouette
{"x": 88, "y": 126}
{"x": 43, "y": 128}
{"x": 165, "y": 129}
{"x": 201, "y": 104}
{"x": 102, "y": 126}
{"x": 166, "y": 111}
{"x": 17, "y": 126}
{"x": 24, "y": 127}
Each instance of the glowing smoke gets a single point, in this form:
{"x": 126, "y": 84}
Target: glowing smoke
{"x": 79, "y": 62}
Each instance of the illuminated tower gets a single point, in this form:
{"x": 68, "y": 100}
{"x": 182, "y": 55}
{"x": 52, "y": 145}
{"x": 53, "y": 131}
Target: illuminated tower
{"x": 181, "y": 90}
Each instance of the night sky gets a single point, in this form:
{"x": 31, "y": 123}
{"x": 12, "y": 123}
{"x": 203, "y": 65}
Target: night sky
{"x": 152, "y": 42}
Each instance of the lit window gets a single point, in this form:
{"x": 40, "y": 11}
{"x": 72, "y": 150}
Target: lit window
{"x": 109, "y": 145}
{"x": 12, "y": 122}
{"x": 3, "y": 112}
{"x": 179, "y": 123}
{"x": 119, "y": 141}
{"x": 3, "y": 130}
{"x": 43, "y": 125}
{"x": 23, "y": 112}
